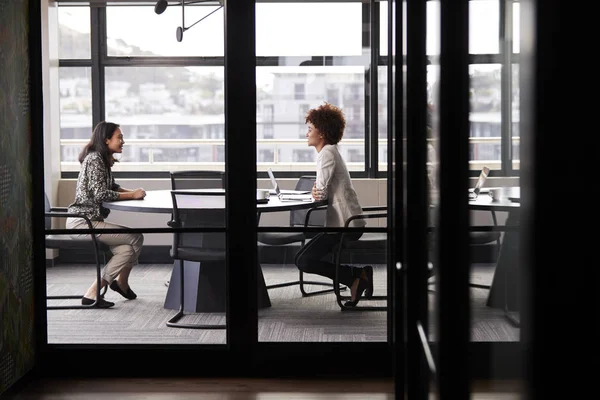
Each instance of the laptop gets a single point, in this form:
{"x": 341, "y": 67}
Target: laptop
{"x": 292, "y": 195}
{"x": 473, "y": 193}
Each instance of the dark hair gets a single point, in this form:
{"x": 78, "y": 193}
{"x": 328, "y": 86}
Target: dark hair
{"x": 329, "y": 120}
{"x": 103, "y": 131}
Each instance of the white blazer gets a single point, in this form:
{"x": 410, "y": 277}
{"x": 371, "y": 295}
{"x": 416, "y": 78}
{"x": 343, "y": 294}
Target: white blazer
{"x": 333, "y": 179}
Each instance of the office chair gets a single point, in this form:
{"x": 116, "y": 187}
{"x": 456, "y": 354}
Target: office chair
{"x": 368, "y": 242}
{"x": 197, "y": 180}
{"x": 65, "y": 242}
{"x": 298, "y": 218}
{"x": 206, "y": 248}
{"x": 482, "y": 239}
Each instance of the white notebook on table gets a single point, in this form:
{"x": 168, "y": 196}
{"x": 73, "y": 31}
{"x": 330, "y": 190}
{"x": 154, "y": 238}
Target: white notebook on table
{"x": 295, "y": 197}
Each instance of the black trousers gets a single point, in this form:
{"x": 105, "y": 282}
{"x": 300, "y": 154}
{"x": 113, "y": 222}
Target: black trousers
{"x": 310, "y": 257}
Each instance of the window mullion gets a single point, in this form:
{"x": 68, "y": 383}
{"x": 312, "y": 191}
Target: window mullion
{"x": 98, "y": 47}
{"x": 373, "y": 142}
{"x": 366, "y": 43}
{"x": 506, "y": 88}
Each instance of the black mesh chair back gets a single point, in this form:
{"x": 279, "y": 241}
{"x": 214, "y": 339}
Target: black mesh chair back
{"x": 197, "y": 180}
{"x": 196, "y": 246}
{"x": 298, "y": 217}
{"x": 47, "y": 218}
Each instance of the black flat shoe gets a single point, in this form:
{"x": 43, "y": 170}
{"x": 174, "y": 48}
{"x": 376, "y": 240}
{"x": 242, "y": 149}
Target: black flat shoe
{"x": 369, "y": 272}
{"x": 101, "y": 303}
{"x": 362, "y": 286}
{"x": 128, "y": 295}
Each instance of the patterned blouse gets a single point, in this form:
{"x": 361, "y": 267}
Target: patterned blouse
{"x": 95, "y": 185}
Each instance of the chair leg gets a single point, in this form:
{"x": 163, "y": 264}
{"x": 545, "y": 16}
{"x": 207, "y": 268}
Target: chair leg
{"x": 105, "y": 287}
{"x": 71, "y": 297}
{"x": 173, "y": 322}
{"x": 340, "y": 297}
{"x": 302, "y": 282}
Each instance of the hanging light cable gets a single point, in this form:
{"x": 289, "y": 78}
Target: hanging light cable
{"x": 161, "y": 6}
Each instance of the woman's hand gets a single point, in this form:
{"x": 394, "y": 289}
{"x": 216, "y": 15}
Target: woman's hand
{"x": 138, "y": 194}
{"x": 317, "y": 194}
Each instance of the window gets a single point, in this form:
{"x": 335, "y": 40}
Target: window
{"x": 158, "y": 88}
{"x": 299, "y": 89}
{"x": 488, "y": 97}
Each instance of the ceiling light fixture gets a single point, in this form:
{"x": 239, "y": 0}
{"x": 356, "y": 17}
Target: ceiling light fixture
{"x": 161, "y": 6}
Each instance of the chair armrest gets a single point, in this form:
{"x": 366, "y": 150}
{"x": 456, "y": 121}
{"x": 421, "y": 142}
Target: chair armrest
{"x": 375, "y": 208}
{"x": 364, "y": 216}
{"x": 68, "y": 214}
{"x": 307, "y": 217}
{"x": 60, "y": 209}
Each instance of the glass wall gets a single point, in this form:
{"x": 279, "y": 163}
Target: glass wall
{"x": 171, "y": 115}
{"x": 168, "y": 97}
{"x": 314, "y": 67}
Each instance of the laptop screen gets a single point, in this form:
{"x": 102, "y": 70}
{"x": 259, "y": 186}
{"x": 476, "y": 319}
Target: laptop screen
{"x": 482, "y": 177}
{"x": 273, "y": 181}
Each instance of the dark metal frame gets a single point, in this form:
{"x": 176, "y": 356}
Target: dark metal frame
{"x": 301, "y": 282}
{"x": 498, "y": 243}
{"x": 338, "y": 258}
{"x": 242, "y": 354}
{"x": 62, "y": 212}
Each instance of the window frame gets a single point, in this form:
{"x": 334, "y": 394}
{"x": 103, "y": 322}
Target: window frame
{"x": 100, "y": 60}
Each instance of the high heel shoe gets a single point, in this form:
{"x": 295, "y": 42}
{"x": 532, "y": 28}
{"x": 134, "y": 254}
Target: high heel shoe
{"x": 369, "y": 272}
{"x": 360, "y": 289}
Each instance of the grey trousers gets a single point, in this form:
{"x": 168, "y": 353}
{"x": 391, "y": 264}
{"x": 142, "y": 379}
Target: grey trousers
{"x": 126, "y": 247}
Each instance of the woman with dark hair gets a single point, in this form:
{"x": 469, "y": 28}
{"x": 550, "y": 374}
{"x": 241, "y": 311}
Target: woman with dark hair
{"x": 326, "y": 125}
{"x": 95, "y": 185}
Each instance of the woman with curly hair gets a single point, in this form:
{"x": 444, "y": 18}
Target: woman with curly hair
{"x": 326, "y": 125}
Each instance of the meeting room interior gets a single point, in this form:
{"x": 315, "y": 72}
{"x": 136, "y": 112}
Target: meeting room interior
{"x": 423, "y": 194}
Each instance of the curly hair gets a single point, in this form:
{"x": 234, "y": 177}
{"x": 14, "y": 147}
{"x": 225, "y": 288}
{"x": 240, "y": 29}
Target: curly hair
{"x": 329, "y": 120}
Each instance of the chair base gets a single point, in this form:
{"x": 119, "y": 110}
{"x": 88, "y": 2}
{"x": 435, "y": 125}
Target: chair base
{"x": 72, "y": 297}
{"x": 173, "y": 323}
{"x": 301, "y": 282}
{"x": 340, "y": 300}
{"x": 69, "y": 307}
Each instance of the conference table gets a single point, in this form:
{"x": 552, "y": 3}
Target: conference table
{"x": 205, "y": 288}
{"x": 504, "y": 290}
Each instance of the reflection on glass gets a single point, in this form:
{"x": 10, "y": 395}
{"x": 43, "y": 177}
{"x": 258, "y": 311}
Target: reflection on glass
{"x": 515, "y": 114}
{"x": 433, "y": 163}
{"x": 485, "y": 116}
{"x": 483, "y": 27}
{"x": 74, "y": 33}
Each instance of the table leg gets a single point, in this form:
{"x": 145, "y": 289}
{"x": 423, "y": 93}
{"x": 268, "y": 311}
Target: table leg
{"x": 205, "y": 288}
{"x": 504, "y": 291}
